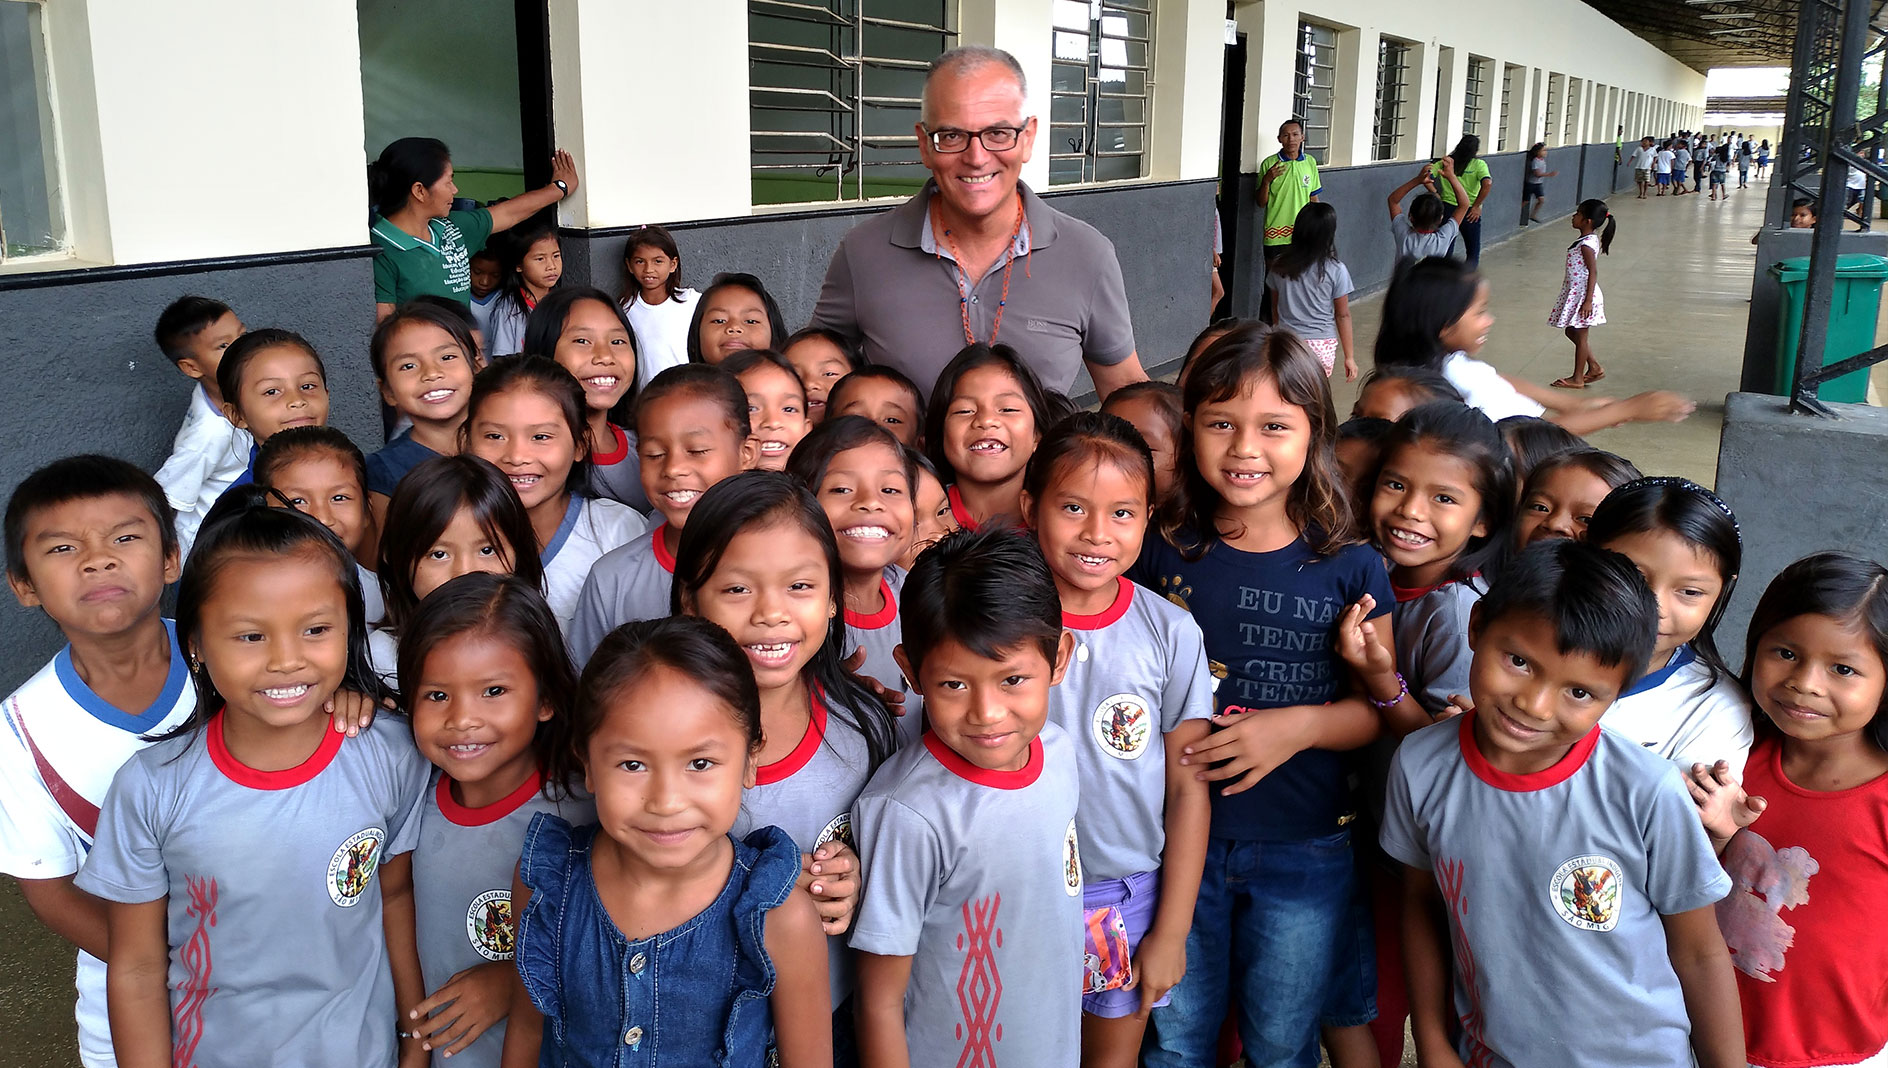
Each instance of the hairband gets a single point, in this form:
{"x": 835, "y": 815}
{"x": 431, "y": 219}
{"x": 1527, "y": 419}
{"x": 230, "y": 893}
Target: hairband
{"x": 1692, "y": 487}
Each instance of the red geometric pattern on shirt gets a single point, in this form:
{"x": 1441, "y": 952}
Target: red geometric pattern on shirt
{"x": 196, "y": 957}
{"x": 1449, "y": 878}
{"x": 979, "y": 984}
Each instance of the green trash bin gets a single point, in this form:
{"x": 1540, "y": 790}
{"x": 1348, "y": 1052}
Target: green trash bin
{"x": 1852, "y": 315}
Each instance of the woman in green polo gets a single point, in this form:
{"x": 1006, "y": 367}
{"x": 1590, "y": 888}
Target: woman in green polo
{"x": 424, "y": 246}
{"x": 1472, "y": 170}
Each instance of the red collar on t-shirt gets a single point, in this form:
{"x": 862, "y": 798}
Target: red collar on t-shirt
{"x": 881, "y": 618}
{"x": 619, "y": 449}
{"x": 1002, "y": 780}
{"x": 663, "y": 555}
{"x": 787, "y": 766}
{"x": 467, "y": 816}
{"x": 958, "y": 511}
{"x": 1406, "y": 594}
{"x": 243, "y": 775}
{"x": 1123, "y": 597}
{"x": 1560, "y": 771}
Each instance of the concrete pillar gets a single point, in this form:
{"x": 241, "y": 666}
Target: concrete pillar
{"x": 1024, "y": 30}
{"x": 1423, "y": 100}
{"x": 1453, "y": 64}
{"x": 1189, "y": 66}
{"x": 1354, "y": 100}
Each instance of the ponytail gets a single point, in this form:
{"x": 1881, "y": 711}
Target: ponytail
{"x": 1594, "y": 211}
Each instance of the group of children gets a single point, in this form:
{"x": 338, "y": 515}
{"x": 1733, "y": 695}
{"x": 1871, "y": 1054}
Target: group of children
{"x": 683, "y": 691}
{"x": 1665, "y": 164}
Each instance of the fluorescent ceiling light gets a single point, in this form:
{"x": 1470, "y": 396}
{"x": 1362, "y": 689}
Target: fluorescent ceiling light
{"x": 1740, "y": 29}
{"x": 1726, "y": 18}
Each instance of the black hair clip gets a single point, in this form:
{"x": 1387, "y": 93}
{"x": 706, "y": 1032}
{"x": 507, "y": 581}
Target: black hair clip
{"x": 1688, "y": 485}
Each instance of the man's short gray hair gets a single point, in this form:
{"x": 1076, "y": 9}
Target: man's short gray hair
{"x": 966, "y": 59}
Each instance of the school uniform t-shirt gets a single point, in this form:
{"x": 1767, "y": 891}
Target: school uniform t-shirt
{"x": 207, "y": 457}
{"x": 1483, "y": 387}
{"x": 1555, "y": 884}
{"x": 389, "y": 464}
{"x": 62, "y": 746}
{"x": 615, "y": 471}
{"x": 1289, "y": 193}
{"x": 591, "y": 528}
{"x": 995, "y": 934}
{"x": 1806, "y": 920}
{"x": 1307, "y": 304}
{"x": 1413, "y": 244}
{"x": 1269, "y": 620}
{"x": 1431, "y": 631}
{"x": 1138, "y": 672}
{"x": 275, "y": 917}
{"x": 626, "y": 584}
{"x": 1471, "y": 179}
{"x": 1680, "y": 714}
{"x": 661, "y": 333}
{"x": 1642, "y": 158}
{"x": 463, "y": 862}
{"x": 1662, "y": 161}
{"x": 878, "y": 633}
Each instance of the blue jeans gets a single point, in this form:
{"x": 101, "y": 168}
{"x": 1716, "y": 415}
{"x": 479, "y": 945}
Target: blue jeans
{"x": 1472, "y": 242}
{"x": 1264, "y": 938}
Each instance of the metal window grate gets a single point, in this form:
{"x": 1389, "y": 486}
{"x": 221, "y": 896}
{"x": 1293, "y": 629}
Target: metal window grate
{"x": 833, "y": 93}
{"x": 1475, "y": 98}
{"x": 1392, "y": 77}
{"x": 1316, "y": 82}
{"x": 1551, "y": 126}
{"x": 1102, "y": 79}
{"x": 1571, "y": 130}
{"x": 32, "y": 202}
{"x": 1508, "y": 74}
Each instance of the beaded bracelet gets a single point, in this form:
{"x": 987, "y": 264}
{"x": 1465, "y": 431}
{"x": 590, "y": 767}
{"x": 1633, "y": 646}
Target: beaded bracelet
{"x": 1402, "y": 691}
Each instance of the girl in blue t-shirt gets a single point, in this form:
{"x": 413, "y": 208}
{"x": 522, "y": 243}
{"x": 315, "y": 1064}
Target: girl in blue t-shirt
{"x": 1260, "y": 546}
{"x": 655, "y": 927}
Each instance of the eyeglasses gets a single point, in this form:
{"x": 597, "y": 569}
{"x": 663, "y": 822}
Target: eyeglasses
{"x": 994, "y": 138}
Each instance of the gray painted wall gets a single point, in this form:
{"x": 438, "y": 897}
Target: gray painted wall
{"x": 1162, "y": 233}
{"x": 84, "y": 375}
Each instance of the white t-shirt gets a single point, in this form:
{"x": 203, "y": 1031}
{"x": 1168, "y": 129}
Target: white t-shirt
{"x": 661, "y": 332}
{"x": 58, "y": 753}
{"x": 591, "y": 527}
{"x": 1662, "y": 161}
{"x": 208, "y": 455}
{"x": 1483, "y": 387}
{"x": 1677, "y": 712}
{"x": 1642, "y": 158}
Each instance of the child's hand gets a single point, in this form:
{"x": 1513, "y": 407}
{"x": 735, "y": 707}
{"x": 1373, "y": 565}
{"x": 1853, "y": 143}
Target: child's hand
{"x": 830, "y": 874}
{"x": 1158, "y": 967}
{"x": 1458, "y": 705}
{"x": 1723, "y": 806}
{"x": 1251, "y": 742}
{"x": 468, "y": 1005}
{"x": 353, "y": 712}
{"x": 1448, "y": 165}
{"x": 1662, "y": 406}
{"x": 1586, "y": 308}
{"x": 1350, "y": 368}
{"x": 1357, "y": 640}
{"x": 894, "y": 699}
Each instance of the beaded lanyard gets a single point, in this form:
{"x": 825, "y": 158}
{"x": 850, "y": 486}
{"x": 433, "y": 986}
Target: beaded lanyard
{"x": 963, "y": 290}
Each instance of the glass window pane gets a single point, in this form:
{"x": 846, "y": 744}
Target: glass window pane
{"x": 32, "y": 211}
{"x": 1071, "y": 15}
{"x": 1068, "y": 109}
{"x": 1068, "y": 78}
{"x": 1071, "y": 45}
{"x": 1099, "y": 109}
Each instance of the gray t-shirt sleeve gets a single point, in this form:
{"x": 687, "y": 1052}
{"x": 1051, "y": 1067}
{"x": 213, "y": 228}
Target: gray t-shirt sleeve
{"x": 410, "y": 774}
{"x": 126, "y": 863}
{"x": 1449, "y": 231}
{"x": 1340, "y": 280}
{"x": 1399, "y": 229}
{"x": 1682, "y": 872}
{"x": 1189, "y": 690}
{"x": 590, "y": 622}
{"x": 837, "y": 308}
{"x": 1401, "y": 837}
{"x": 902, "y": 867}
{"x": 1108, "y": 334}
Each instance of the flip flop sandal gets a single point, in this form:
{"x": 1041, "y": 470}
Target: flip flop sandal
{"x": 1595, "y": 376}
{"x": 1567, "y": 383}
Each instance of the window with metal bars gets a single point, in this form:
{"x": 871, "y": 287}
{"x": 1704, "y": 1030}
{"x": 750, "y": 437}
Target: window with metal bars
{"x": 1101, "y": 82}
{"x": 1509, "y": 73}
{"x": 1551, "y": 124}
{"x": 1571, "y": 131}
{"x": 1314, "y": 85}
{"x": 32, "y": 204}
{"x": 1392, "y": 77}
{"x": 833, "y": 94}
{"x": 1475, "y": 99}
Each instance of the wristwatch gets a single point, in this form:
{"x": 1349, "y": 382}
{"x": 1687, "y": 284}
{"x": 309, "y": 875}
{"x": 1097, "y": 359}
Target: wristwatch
{"x": 561, "y": 187}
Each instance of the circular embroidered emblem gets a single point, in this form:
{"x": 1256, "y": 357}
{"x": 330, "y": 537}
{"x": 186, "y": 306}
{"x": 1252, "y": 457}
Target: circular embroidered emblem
{"x": 1586, "y": 891}
{"x": 1122, "y": 726}
{"x": 351, "y": 870}
{"x": 839, "y": 830}
{"x": 488, "y": 925}
{"x": 1071, "y": 862}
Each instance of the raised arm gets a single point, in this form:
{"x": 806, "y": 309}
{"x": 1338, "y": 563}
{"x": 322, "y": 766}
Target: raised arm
{"x": 524, "y": 205}
{"x": 1401, "y": 191}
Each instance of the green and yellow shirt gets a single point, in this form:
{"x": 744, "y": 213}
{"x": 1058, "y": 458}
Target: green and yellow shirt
{"x": 1290, "y": 192}
{"x": 407, "y": 266}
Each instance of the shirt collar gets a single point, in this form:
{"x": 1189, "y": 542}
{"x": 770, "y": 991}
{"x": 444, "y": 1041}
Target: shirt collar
{"x": 911, "y": 222}
{"x": 400, "y": 239}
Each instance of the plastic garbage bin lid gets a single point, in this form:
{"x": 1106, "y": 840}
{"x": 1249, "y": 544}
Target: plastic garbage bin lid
{"x": 1848, "y": 265}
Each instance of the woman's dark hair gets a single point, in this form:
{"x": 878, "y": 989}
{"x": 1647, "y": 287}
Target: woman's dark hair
{"x": 1682, "y": 507}
{"x": 1084, "y": 441}
{"x": 757, "y": 500}
{"x": 1596, "y": 601}
{"x": 1593, "y": 210}
{"x": 244, "y": 350}
{"x": 422, "y": 507}
{"x": 660, "y": 239}
{"x": 546, "y": 376}
{"x": 1465, "y": 151}
{"x": 815, "y": 452}
{"x": 1426, "y": 212}
{"x": 1610, "y": 468}
{"x": 457, "y": 325}
{"x": 699, "y": 380}
{"x": 402, "y": 163}
{"x": 692, "y": 648}
{"x": 546, "y": 327}
{"x": 298, "y": 442}
{"x": 989, "y": 591}
{"x": 243, "y": 524}
{"x": 1425, "y": 298}
{"x": 514, "y": 247}
{"x": 1533, "y": 440}
{"x": 1317, "y": 502}
{"x": 513, "y": 611}
{"x": 1848, "y": 589}
{"x": 849, "y": 350}
{"x": 1466, "y": 434}
{"x": 776, "y": 326}
{"x": 970, "y": 358}
{"x": 1313, "y": 241}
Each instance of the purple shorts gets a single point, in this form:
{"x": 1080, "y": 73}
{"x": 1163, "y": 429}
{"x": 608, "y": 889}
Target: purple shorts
{"x": 1116, "y": 915}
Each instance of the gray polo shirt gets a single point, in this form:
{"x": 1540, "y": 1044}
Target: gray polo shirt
{"x": 894, "y": 287}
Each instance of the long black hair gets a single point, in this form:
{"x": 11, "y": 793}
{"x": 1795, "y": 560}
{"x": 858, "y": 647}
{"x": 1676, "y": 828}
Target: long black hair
{"x": 776, "y": 324}
{"x": 1471, "y": 437}
{"x": 756, "y": 500}
{"x": 512, "y": 249}
{"x": 968, "y": 359}
{"x": 409, "y": 160}
{"x": 1313, "y": 241}
{"x": 1846, "y": 588}
{"x": 1425, "y": 298}
{"x": 545, "y": 328}
{"x": 1701, "y": 518}
{"x": 1464, "y": 154}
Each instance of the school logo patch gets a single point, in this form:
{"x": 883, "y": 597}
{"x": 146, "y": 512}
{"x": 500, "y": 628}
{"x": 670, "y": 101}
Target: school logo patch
{"x": 1122, "y": 725}
{"x": 839, "y": 830}
{"x": 1071, "y": 862}
{"x": 489, "y": 927}
{"x": 1586, "y": 891}
{"x": 351, "y": 870}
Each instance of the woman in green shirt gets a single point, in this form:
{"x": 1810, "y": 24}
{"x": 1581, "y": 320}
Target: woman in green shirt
{"x": 1473, "y": 172}
{"x": 424, "y": 246}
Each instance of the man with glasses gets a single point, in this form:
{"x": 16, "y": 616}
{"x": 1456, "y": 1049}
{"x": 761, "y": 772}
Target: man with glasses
{"x": 976, "y": 256}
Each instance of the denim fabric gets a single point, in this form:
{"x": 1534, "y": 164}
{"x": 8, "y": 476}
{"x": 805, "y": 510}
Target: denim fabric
{"x": 1472, "y": 241}
{"x": 688, "y": 997}
{"x": 1265, "y": 935}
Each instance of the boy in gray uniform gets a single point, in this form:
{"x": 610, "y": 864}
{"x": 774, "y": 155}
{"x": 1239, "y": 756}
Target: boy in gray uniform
{"x": 970, "y": 920}
{"x": 626, "y": 584}
{"x": 1566, "y": 865}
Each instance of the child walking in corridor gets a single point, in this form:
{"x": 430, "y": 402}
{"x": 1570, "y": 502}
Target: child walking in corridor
{"x": 1581, "y": 305}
